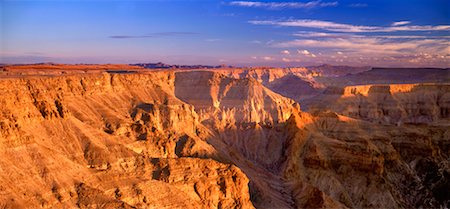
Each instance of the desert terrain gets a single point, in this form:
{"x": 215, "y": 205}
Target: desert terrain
{"x": 127, "y": 136}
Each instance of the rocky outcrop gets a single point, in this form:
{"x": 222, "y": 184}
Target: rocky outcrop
{"x": 247, "y": 121}
{"x": 389, "y": 104}
{"x": 238, "y": 100}
{"x": 357, "y": 164}
{"x": 91, "y": 140}
{"x": 294, "y": 83}
{"x": 215, "y": 185}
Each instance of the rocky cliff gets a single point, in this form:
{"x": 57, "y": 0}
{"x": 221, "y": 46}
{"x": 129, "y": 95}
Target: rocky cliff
{"x": 200, "y": 139}
{"x": 389, "y": 104}
{"x": 108, "y": 141}
{"x": 337, "y": 162}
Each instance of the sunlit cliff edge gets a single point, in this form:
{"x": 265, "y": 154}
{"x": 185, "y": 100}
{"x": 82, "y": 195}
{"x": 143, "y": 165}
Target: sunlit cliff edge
{"x": 223, "y": 138}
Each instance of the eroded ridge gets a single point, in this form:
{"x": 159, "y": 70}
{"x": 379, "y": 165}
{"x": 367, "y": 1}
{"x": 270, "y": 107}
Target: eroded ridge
{"x": 218, "y": 139}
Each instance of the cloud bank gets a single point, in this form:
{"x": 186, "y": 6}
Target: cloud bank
{"x": 284, "y": 5}
{"x": 340, "y": 27}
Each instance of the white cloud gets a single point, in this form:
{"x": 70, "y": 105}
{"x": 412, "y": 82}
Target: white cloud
{"x": 400, "y": 23}
{"x": 285, "y": 52}
{"x": 416, "y": 28}
{"x": 340, "y": 27}
{"x": 308, "y": 34}
{"x": 371, "y": 45}
{"x": 326, "y": 25}
{"x": 267, "y": 58}
{"x": 285, "y": 59}
{"x": 311, "y": 34}
{"x": 304, "y": 52}
{"x": 414, "y": 37}
{"x": 283, "y": 5}
{"x": 355, "y": 44}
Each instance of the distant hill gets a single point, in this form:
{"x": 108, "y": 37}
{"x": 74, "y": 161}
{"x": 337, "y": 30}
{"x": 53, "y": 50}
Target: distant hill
{"x": 336, "y": 71}
{"x": 391, "y": 76}
{"x": 160, "y": 65}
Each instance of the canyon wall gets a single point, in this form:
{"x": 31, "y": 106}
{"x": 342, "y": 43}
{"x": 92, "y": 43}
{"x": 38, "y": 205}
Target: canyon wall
{"x": 202, "y": 139}
{"x": 108, "y": 141}
{"x": 389, "y": 104}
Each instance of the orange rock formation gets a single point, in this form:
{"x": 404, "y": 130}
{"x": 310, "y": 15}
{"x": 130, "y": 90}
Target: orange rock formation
{"x": 217, "y": 139}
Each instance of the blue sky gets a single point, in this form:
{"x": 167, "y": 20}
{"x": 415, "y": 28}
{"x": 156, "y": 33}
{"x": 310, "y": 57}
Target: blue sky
{"x": 243, "y": 33}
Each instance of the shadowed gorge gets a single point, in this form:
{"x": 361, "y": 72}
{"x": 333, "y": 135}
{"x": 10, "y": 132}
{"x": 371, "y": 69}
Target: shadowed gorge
{"x": 220, "y": 139}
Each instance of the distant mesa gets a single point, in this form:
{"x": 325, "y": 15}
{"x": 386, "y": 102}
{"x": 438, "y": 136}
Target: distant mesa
{"x": 160, "y": 65}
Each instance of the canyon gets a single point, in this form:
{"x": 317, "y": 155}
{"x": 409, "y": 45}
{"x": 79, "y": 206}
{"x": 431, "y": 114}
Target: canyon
{"x": 122, "y": 136}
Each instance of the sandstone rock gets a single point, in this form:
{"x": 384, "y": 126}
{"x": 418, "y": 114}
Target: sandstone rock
{"x": 70, "y": 140}
{"x": 218, "y": 139}
{"x": 389, "y": 104}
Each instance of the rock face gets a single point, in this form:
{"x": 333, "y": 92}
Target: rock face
{"x": 213, "y": 184}
{"x": 337, "y": 71}
{"x": 389, "y": 104}
{"x": 294, "y": 83}
{"x": 219, "y": 139}
{"x": 389, "y": 76}
{"x": 241, "y": 100}
{"x": 93, "y": 141}
{"x": 356, "y": 164}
